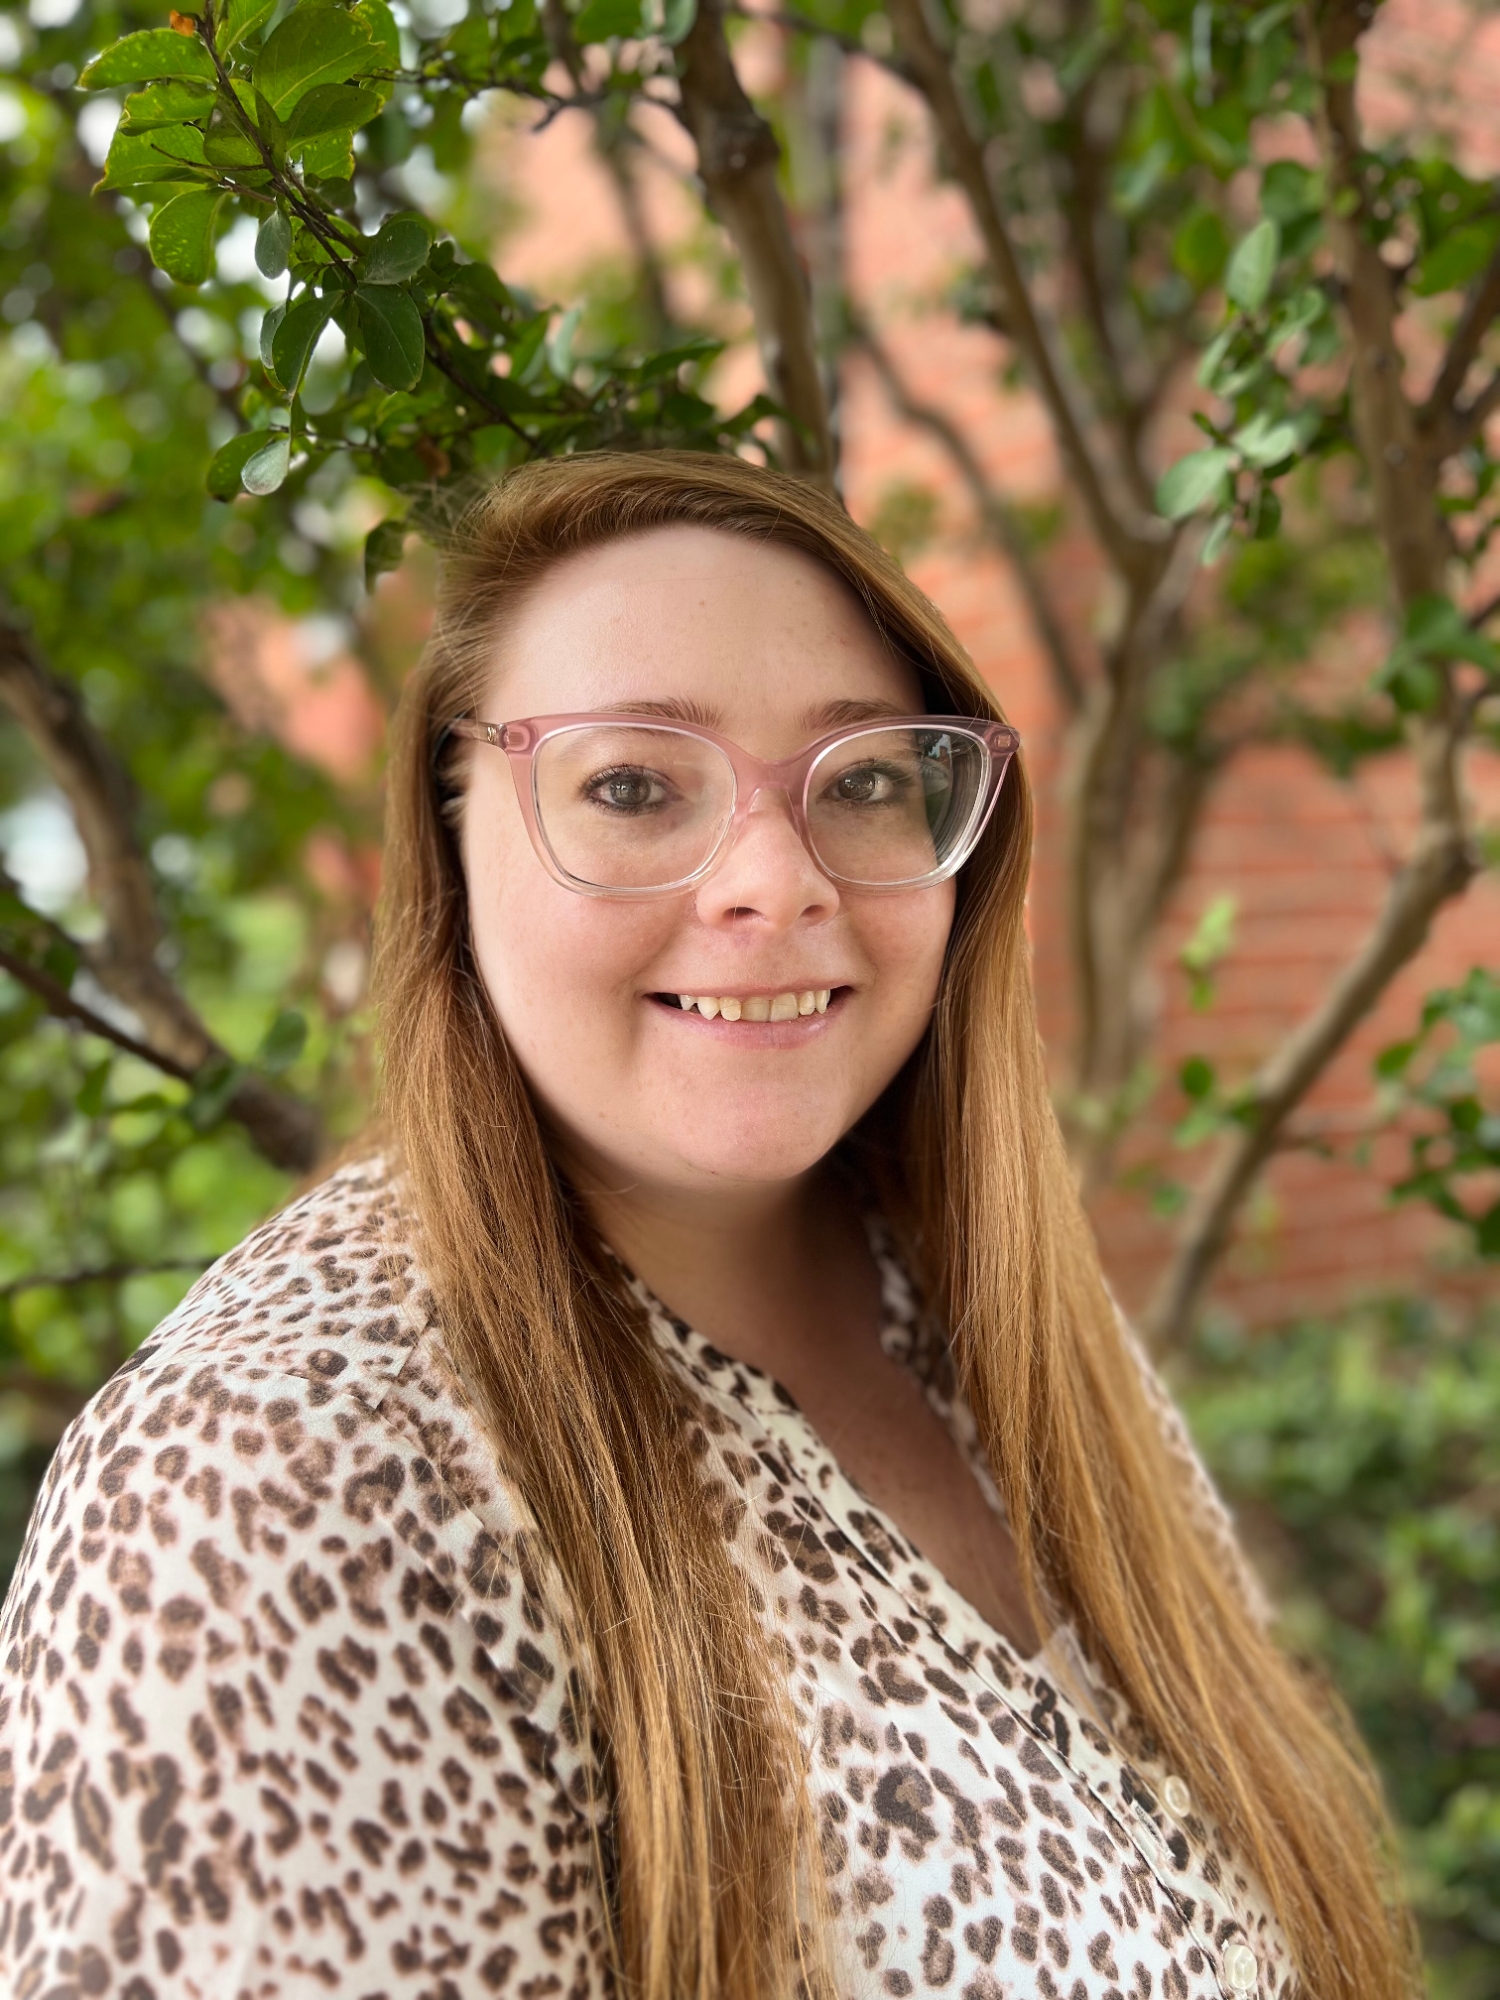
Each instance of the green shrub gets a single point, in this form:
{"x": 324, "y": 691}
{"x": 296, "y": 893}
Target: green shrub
{"x": 1362, "y": 1457}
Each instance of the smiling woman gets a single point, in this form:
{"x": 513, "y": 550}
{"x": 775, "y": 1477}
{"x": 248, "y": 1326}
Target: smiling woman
{"x": 679, "y": 1516}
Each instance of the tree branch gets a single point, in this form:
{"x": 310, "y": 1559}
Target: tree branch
{"x": 996, "y": 516}
{"x": 1480, "y": 309}
{"x": 61, "y": 1004}
{"x": 737, "y": 155}
{"x": 99, "y": 792}
{"x": 1401, "y": 470}
{"x": 1134, "y": 541}
{"x": 1466, "y": 421}
{"x": 1441, "y": 867}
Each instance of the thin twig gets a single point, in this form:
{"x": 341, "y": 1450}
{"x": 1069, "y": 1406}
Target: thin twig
{"x": 59, "y": 1002}
{"x": 994, "y": 512}
{"x": 1479, "y": 311}
{"x": 1136, "y": 542}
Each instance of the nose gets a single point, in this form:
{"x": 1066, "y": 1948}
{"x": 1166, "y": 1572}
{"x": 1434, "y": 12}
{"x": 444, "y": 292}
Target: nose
{"x": 767, "y": 876}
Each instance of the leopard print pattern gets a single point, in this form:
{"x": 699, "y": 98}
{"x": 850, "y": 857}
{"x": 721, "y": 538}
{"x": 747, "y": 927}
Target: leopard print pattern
{"x": 286, "y": 1709}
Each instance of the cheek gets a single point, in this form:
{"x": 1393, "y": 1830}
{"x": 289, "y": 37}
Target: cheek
{"x": 560, "y": 969}
{"x": 906, "y": 938}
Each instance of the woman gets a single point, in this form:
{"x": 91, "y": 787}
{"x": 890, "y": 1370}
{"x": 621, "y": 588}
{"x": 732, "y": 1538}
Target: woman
{"x": 430, "y": 1609}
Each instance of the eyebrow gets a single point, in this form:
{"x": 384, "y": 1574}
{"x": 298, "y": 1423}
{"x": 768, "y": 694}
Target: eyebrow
{"x": 828, "y": 715}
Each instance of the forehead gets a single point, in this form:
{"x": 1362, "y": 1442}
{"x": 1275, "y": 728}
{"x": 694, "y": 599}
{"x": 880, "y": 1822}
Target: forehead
{"x": 740, "y": 630}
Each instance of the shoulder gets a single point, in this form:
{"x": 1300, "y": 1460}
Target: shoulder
{"x": 280, "y": 1616}
{"x": 329, "y": 1290}
{"x": 300, "y": 1399}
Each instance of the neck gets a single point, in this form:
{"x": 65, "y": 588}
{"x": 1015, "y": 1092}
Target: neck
{"x": 747, "y": 1265}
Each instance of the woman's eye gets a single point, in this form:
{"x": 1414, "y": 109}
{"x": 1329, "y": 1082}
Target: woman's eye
{"x": 870, "y": 785}
{"x": 628, "y": 790}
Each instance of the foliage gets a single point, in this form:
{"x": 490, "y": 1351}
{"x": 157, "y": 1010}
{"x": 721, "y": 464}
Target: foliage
{"x": 1455, "y": 1155}
{"x": 1363, "y": 1459}
{"x": 115, "y": 390}
{"x": 303, "y": 118}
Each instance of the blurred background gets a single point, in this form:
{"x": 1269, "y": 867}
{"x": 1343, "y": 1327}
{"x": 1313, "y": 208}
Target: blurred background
{"x": 1156, "y": 340}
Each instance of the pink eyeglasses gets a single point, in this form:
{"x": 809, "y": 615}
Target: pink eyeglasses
{"x": 621, "y": 805}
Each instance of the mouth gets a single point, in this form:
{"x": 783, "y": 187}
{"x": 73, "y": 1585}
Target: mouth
{"x": 808, "y": 1003}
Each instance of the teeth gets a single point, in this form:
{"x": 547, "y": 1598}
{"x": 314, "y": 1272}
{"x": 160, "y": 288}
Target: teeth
{"x": 757, "y": 1006}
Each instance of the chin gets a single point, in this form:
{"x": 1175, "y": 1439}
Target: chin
{"x": 745, "y": 1151}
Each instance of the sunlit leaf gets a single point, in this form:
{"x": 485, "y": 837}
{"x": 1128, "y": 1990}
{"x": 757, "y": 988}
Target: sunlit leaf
{"x": 1252, "y": 267}
{"x": 266, "y": 469}
{"x": 312, "y": 46}
{"x": 171, "y": 103}
{"x": 273, "y": 244}
{"x": 141, "y": 58}
{"x": 1193, "y": 482}
{"x": 182, "y": 235}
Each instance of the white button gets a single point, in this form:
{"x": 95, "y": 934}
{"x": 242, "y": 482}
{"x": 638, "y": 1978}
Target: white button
{"x": 1241, "y": 1968}
{"x": 1176, "y": 1797}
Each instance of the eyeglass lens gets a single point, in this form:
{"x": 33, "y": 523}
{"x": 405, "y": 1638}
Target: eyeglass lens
{"x": 635, "y": 806}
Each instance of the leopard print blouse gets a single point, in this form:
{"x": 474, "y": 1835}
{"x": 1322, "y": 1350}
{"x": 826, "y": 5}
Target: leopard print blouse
{"x": 284, "y": 1690}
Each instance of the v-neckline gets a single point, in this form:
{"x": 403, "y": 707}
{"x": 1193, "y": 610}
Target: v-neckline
{"x": 900, "y": 1335}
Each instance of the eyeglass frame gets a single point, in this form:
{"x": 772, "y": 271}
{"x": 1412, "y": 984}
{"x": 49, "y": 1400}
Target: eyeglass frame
{"x": 523, "y": 737}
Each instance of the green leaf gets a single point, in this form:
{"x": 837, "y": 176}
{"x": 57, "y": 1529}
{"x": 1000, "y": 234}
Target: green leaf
{"x": 285, "y": 1040}
{"x": 229, "y": 462}
{"x": 1289, "y": 191}
{"x": 1200, "y": 247}
{"x": 172, "y": 103}
{"x": 143, "y": 57}
{"x": 1193, "y": 482}
{"x": 241, "y": 19}
{"x": 313, "y": 46}
{"x": 228, "y": 145}
{"x": 398, "y": 252}
{"x": 329, "y": 157}
{"x": 136, "y": 159}
{"x": 1197, "y": 1078}
{"x": 273, "y": 245}
{"x": 266, "y": 469}
{"x": 294, "y": 340}
{"x": 384, "y": 548}
{"x": 1216, "y": 541}
{"x": 390, "y": 330}
{"x": 182, "y": 235}
{"x": 270, "y": 321}
{"x": 603, "y": 19}
{"x": 1460, "y": 256}
{"x": 333, "y": 107}
{"x": 1435, "y": 629}
{"x": 1265, "y": 440}
{"x": 678, "y": 17}
{"x": 380, "y": 24}
{"x": 1253, "y": 266}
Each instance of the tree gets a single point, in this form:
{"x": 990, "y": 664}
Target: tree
{"x": 171, "y": 440}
